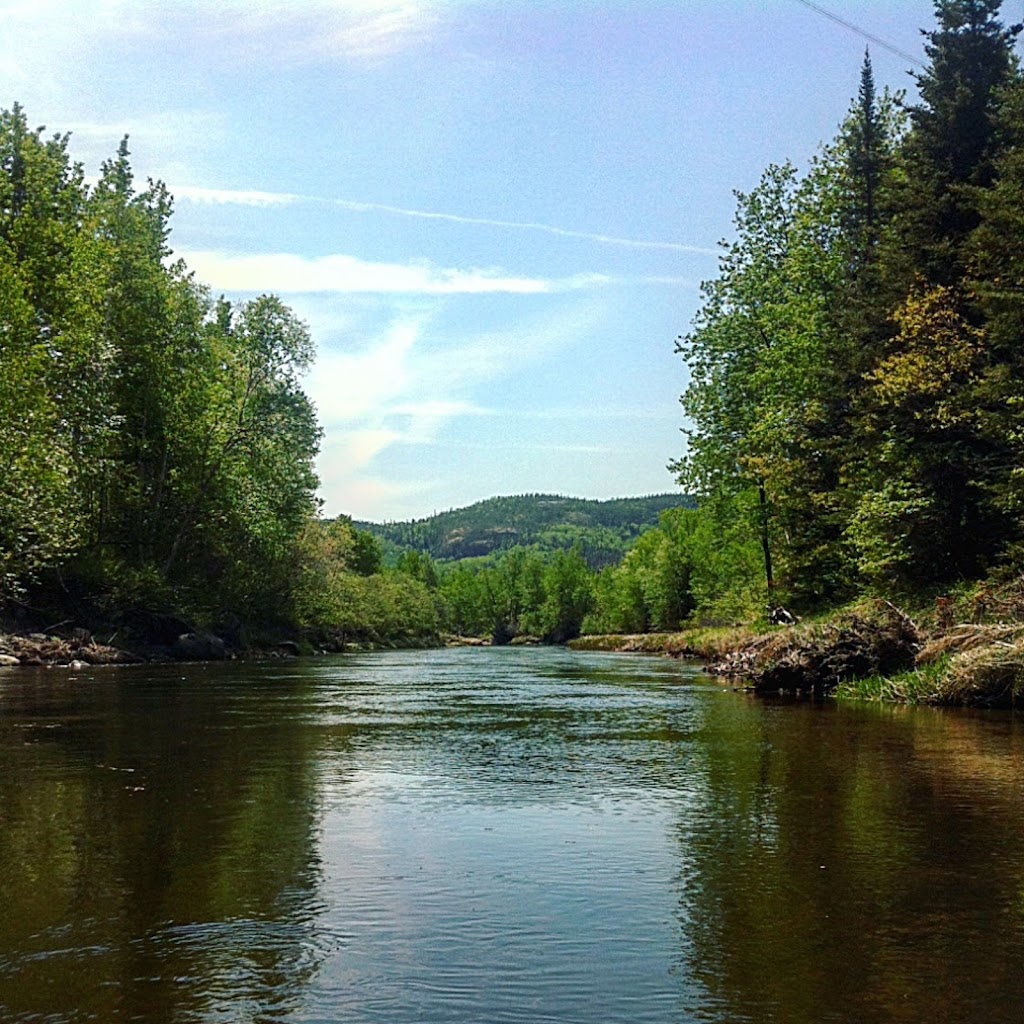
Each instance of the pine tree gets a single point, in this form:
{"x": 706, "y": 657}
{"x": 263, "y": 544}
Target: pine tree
{"x": 951, "y": 145}
{"x": 923, "y": 513}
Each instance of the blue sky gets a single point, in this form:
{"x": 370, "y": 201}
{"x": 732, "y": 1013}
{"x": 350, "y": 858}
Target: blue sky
{"x": 494, "y": 216}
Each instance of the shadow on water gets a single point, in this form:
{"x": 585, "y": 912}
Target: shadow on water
{"x": 158, "y": 846}
{"x": 855, "y": 864}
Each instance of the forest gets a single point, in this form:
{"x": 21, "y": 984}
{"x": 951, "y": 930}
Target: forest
{"x": 855, "y": 399}
{"x": 158, "y": 470}
{"x": 603, "y": 529}
{"x": 853, "y": 418}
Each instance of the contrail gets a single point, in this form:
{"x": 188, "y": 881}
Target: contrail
{"x": 522, "y": 225}
{"x": 257, "y": 198}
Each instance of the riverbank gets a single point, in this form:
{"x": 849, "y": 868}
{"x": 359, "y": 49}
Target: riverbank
{"x": 869, "y": 651}
{"x": 77, "y": 648}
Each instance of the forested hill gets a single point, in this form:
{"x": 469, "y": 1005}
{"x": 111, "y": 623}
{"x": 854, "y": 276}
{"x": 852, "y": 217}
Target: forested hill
{"x": 549, "y": 521}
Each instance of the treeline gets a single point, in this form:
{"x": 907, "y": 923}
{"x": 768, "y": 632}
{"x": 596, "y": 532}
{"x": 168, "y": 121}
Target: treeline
{"x": 156, "y": 446}
{"x": 677, "y": 572}
{"x": 857, "y": 365}
{"x": 158, "y": 453}
{"x": 603, "y": 530}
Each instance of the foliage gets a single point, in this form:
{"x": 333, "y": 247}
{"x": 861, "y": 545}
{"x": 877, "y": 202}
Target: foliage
{"x": 687, "y": 570}
{"x": 521, "y": 591}
{"x": 854, "y": 401}
{"x": 159, "y": 444}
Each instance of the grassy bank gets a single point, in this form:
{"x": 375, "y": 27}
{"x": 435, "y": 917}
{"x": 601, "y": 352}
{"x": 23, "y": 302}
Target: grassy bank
{"x": 872, "y": 650}
{"x": 968, "y": 664}
{"x": 705, "y": 643}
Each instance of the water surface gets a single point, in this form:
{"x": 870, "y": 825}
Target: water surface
{"x": 498, "y": 836}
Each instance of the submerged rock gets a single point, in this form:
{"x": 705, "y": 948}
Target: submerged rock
{"x": 199, "y": 647}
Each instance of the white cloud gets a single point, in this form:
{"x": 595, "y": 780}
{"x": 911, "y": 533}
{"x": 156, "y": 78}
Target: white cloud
{"x": 596, "y": 413}
{"x": 345, "y": 483}
{"x": 378, "y": 32}
{"x": 358, "y": 448}
{"x": 407, "y": 385}
{"x": 347, "y": 387}
{"x": 290, "y": 32}
{"x": 164, "y": 131}
{"x": 289, "y": 273}
{"x": 368, "y": 496}
{"x": 440, "y": 409}
{"x": 273, "y": 31}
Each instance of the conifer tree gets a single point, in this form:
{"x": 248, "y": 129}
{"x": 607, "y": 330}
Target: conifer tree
{"x": 952, "y": 145}
{"x": 926, "y": 458}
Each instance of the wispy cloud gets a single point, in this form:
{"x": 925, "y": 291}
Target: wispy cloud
{"x": 361, "y": 386}
{"x": 521, "y": 225}
{"x": 259, "y": 198}
{"x": 274, "y": 32}
{"x": 161, "y": 128}
{"x": 390, "y": 27}
{"x": 345, "y": 490}
{"x": 284, "y": 31}
{"x": 408, "y": 383}
{"x": 232, "y": 197}
{"x": 660, "y": 412}
{"x": 528, "y": 446}
{"x": 288, "y": 273}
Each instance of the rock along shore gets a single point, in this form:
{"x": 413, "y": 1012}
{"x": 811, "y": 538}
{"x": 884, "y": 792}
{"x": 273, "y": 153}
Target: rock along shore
{"x": 76, "y": 650}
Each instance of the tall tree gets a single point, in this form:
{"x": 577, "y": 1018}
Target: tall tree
{"x": 951, "y": 145}
{"x": 763, "y": 372}
{"x": 926, "y": 454}
{"x": 41, "y": 196}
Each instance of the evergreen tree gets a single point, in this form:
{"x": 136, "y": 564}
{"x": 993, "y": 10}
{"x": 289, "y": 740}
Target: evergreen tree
{"x": 926, "y": 461}
{"x": 952, "y": 144}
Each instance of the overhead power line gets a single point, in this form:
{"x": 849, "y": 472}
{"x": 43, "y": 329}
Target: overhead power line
{"x": 871, "y": 37}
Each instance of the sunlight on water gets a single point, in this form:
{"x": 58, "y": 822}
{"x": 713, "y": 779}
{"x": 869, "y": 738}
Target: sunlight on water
{"x": 498, "y": 836}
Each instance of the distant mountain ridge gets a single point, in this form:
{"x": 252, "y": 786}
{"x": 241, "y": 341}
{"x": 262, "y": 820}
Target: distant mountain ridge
{"x": 550, "y": 521}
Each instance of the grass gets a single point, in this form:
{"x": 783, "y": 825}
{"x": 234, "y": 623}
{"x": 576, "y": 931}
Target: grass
{"x": 918, "y": 685}
{"x": 978, "y": 675}
{"x": 970, "y": 648}
{"x": 700, "y": 642}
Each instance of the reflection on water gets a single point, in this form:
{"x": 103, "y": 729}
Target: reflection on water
{"x": 499, "y": 836}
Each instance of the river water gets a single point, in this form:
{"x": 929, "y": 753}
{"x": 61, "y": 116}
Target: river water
{"x": 495, "y": 836}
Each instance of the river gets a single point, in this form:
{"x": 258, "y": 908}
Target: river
{"x": 496, "y": 836}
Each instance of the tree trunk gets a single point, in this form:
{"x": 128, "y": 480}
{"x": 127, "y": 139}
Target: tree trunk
{"x": 762, "y": 498}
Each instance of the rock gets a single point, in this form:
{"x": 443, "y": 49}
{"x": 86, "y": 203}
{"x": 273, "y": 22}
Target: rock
{"x": 77, "y": 665}
{"x": 9, "y": 660}
{"x": 199, "y": 647}
{"x": 156, "y": 627}
{"x": 289, "y": 648}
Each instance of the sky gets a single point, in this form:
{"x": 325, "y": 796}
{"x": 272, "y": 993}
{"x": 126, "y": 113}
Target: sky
{"x": 494, "y": 216}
